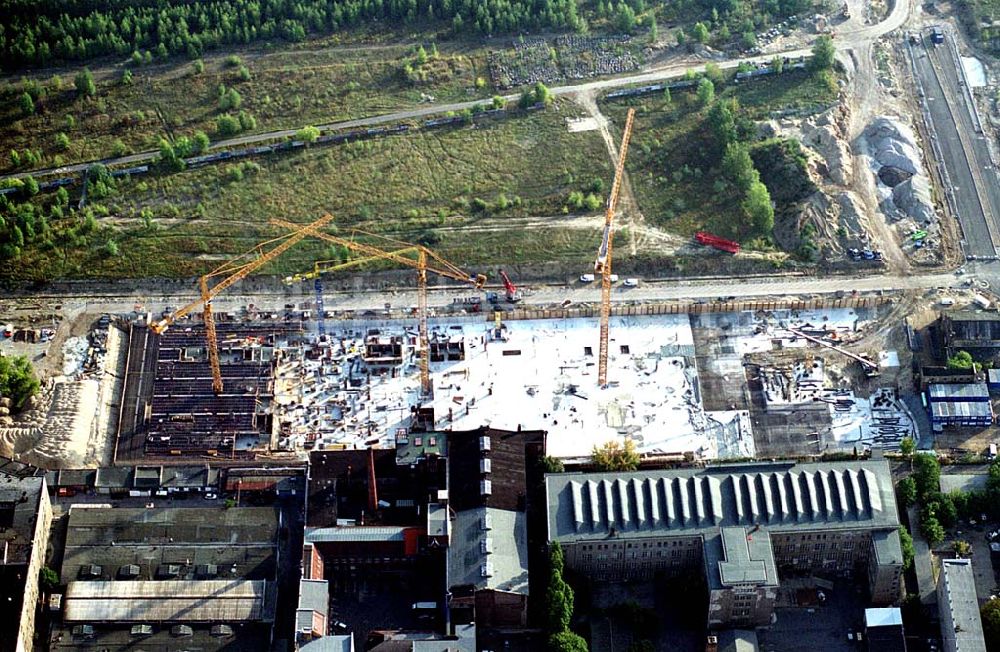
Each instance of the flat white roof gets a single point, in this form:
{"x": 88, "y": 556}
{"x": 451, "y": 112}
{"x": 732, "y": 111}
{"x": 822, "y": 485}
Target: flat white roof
{"x": 883, "y": 617}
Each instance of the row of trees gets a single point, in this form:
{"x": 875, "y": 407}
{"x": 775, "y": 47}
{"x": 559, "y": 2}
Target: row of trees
{"x": 33, "y": 32}
{"x": 559, "y": 599}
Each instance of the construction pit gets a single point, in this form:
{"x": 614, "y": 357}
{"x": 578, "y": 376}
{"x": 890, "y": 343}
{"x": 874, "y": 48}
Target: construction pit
{"x": 696, "y": 387}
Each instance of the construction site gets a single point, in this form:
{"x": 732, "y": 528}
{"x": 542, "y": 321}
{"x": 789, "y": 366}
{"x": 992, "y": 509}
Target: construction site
{"x": 683, "y": 381}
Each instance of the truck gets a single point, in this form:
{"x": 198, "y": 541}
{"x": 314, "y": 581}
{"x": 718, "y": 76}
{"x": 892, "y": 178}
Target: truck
{"x": 722, "y": 244}
{"x": 937, "y": 36}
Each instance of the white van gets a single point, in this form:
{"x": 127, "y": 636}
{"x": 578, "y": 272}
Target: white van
{"x": 631, "y": 283}
{"x": 586, "y": 278}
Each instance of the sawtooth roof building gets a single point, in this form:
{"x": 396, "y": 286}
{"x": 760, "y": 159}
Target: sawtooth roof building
{"x": 743, "y": 523}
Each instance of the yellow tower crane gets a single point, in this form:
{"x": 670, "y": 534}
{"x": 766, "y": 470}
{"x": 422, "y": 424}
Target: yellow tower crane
{"x": 235, "y": 270}
{"x": 603, "y": 264}
{"x": 412, "y": 255}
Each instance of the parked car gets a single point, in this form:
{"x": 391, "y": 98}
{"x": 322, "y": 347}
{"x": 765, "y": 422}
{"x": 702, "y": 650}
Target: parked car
{"x": 586, "y": 278}
{"x": 631, "y": 283}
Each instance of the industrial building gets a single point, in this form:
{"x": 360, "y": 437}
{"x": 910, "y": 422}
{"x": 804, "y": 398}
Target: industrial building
{"x": 958, "y": 607}
{"x": 200, "y": 578}
{"x": 745, "y": 524}
{"x": 25, "y": 519}
{"x": 959, "y": 404}
{"x": 972, "y": 331}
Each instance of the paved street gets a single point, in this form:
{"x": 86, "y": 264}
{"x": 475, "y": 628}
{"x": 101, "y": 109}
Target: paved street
{"x": 972, "y": 182}
{"x": 273, "y": 295}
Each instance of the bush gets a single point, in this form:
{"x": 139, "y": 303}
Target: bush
{"x": 27, "y": 104}
{"x": 244, "y": 73}
{"x": 232, "y": 61}
{"x": 227, "y": 125}
{"x": 307, "y": 134}
{"x": 84, "y": 82}
{"x": 907, "y": 490}
{"x": 197, "y": 66}
{"x": 247, "y": 121}
{"x": 906, "y": 543}
{"x": 17, "y": 380}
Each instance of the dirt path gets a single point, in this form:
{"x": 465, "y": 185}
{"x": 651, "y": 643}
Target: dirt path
{"x": 866, "y": 100}
{"x": 628, "y": 208}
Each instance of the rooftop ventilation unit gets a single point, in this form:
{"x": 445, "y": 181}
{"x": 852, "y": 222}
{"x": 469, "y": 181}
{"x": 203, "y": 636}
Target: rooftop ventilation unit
{"x": 221, "y": 631}
{"x": 485, "y": 488}
{"x": 486, "y": 546}
{"x": 486, "y": 522}
{"x": 129, "y": 572}
{"x": 484, "y": 443}
{"x": 485, "y": 465}
{"x": 142, "y": 630}
{"x": 181, "y": 630}
{"x": 486, "y": 570}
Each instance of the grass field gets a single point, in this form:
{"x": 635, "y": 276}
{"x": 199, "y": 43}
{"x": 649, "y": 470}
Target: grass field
{"x": 469, "y": 192}
{"x": 286, "y": 89}
{"x": 674, "y": 177}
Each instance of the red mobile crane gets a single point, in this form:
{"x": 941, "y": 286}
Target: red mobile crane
{"x": 513, "y": 294}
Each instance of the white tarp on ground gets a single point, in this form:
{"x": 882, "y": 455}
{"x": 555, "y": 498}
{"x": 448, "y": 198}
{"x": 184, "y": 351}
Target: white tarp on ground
{"x": 975, "y": 72}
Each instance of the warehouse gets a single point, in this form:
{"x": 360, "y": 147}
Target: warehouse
{"x": 962, "y": 404}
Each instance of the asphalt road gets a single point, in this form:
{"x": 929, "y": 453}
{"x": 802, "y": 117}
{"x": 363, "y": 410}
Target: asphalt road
{"x": 987, "y": 182}
{"x": 845, "y": 40}
{"x": 964, "y": 154}
{"x": 273, "y": 297}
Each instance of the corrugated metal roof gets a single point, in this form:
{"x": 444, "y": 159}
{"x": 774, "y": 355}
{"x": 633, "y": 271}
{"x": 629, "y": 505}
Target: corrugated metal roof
{"x": 977, "y": 409}
{"x": 167, "y": 601}
{"x": 953, "y": 391}
{"x": 356, "y": 533}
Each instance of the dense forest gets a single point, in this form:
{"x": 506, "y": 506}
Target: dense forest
{"x": 42, "y": 31}
{"x": 37, "y": 31}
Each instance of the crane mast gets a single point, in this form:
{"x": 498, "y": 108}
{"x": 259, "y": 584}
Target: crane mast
{"x": 233, "y": 271}
{"x": 602, "y": 265}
